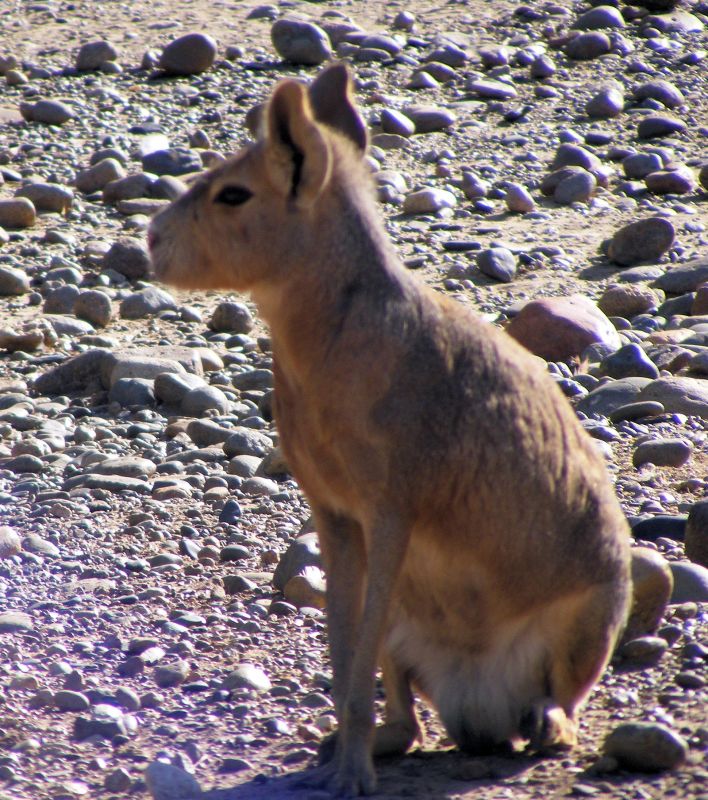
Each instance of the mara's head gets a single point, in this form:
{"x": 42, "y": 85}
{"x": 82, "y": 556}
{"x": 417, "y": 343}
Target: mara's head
{"x": 241, "y": 222}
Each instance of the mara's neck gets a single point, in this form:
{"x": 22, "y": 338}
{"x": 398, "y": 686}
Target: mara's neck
{"x": 343, "y": 261}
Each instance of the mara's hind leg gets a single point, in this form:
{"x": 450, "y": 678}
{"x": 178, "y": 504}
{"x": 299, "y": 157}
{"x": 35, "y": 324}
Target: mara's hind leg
{"x": 583, "y": 634}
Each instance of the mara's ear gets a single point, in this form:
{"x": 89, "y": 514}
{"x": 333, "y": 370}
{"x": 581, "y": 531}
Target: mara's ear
{"x": 298, "y": 156}
{"x": 332, "y": 98}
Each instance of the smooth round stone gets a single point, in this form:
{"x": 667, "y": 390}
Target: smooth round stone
{"x": 667, "y": 526}
{"x": 638, "y": 165}
{"x": 498, "y": 263}
{"x": 657, "y": 125}
{"x": 627, "y": 300}
{"x": 491, "y": 89}
{"x": 576, "y": 188}
{"x": 428, "y": 119}
{"x": 172, "y": 161}
{"x": 587, "y": 46}
{"x": 247, "y": 442}
{"x": 146, "y": 302}
{"x": 300, "y": 42}
{"x": 393, "y": 121}
{"x": 421, "y": 80}
{"x": 632, "y": 411}
{"x": 171, "y": 675}
{"x": 494, "y": 56}
{"x": 680, "y": 395}
{"x": 260, "y": 487}
{"x": 607, "y": 103}
{"x": 645, "y": 747}
{"x": 188, "y": 55}
{"x": 690, "y": 583}
{"x": 542, "y": 67}
{"x": 93, "y": 55}
{"x": 404, "y": 21}
{"x": 66, "y": 700}
{"x": 129, "y": 257}
{"x": 644, "y": 651}
{"x": 675, "y": 181}
{"x": 663, "y": 453}
{"x": 50, "y": 112}
{"x": 48, "y": 196}
{"x": 703, "y": 176}
{"x": 15, "y": 622}
{"x": 130, "y": 187}
{"x": 13, "y": 282}
{"x": 247, "y": 676}
{"x": 428, "y": 201}
{"x": 662, "y": 91}
{"x": 451, "y": 55}
{"x": 10, "y": 542}
{"x": 130, "y": 392}
{"x": 600, "y": 17}
{"x": 168, "y": 782}
{"x": 204, "y": 398}
{"x": 95, "y": 307}
{"x": 518, "y": 199}
{"x": 569, "y": 154}
{"x": 644, "y": 240}
{"x": 306, "y": 589}
{"x": 99, "y": 175}
{"x": 629, "y": 361}
{"x": 652, "y": 584}
{"x": 473, "y": 186}
{"x": 696, "y": 539}
{"x": 231, "y": 317}
{"x": 18, "y": 212}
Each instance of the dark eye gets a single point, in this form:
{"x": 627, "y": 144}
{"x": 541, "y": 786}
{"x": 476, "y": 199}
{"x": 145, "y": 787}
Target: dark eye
{"x": 233, "y": 195}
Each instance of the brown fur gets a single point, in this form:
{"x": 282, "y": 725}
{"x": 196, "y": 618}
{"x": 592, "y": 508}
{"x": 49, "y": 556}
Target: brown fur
{"x": 473, "y": 545}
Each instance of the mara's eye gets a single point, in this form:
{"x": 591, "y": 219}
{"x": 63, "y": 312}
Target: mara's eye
{"x": 233, "y": 196}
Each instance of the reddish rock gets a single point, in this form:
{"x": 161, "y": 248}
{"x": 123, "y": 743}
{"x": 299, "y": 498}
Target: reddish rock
{"x": 558, "y": 328}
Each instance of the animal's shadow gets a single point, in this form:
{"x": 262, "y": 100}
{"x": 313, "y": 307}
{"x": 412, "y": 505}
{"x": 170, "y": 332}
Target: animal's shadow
{"x": 430, "y": 774}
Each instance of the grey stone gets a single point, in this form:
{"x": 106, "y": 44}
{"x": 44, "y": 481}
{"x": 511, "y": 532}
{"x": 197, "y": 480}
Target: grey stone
{"x": 662, "y": 91}
{"x": 146, "y": 302}
{"x": 671, "y": 181}
{"x": 10, "y": 542}
{"x": 130, "y": 392}
{"x": 393, "y": 121}
{"x": 247, "y": 442}
{"x": 188, "y": 55}
{"x": 13, "y": 282}
{"x": 205, "y": 432}
{"x": 644, "y": 651}
{"x": 696, "y": 537}
{"x": 231, "y": 317}
{"x": 639, "y": 165}
{"x": 15, "y": 622}
{"x": 649, "y": 408}
{"x": 106, "y": 722}
{"x": 428, "y": 119}
{"x": 663, "y": 452}
{"x": 129, "y": 256}
{"x": 167, "y": 782}
{"x": 172, "y": 161}
{"x": 260, "y": 487}
{"x": 587, "y": 46}
{"x": 76, "y": 374}
{"x": 300, "y": 42}
{"x": 491, "y": 89}
{"x": 50, "y": 112}
{"x": 643, "y": 240}
{"x": 679, "y": 395}
{"x": 170, "y": 675}
{"x": 518, "y": 199}
{"x": 99, "y": 175}
{"x": 204, "y": 398}
{"x": 600, "y": 17}
{"x": 429, "y": 200}
{"x": 69, "y": 326}
{"x": 611, "y": 396}
{"x": 498, "y": 263}
{"x": 93, "y": 55}
{"x": 126, "y": 466}
{"x": 130, "y": 187}
{"x": 607, "y": 103}
{"x": 303, "y": 552}
{"x": 645, "y": 747}
{"x": 61, "y": 300}
{"x": 629, "y": 361}
{"x": 690, "y": 582}
{"x": 171, "y": 387}
{"x": 247, "y": 676}
{"x": 576, "y": 188}
{"x": 126, "y": 364}
{"x": 684, "y": 277}
{"x": 66, "y": 700}
{"x": 244, "y": 466}
{"x": 657, "y": 125}
{"x": 108, "y": 483}
{"x": 95, "y": 307}
{"x": 18, "y": 212}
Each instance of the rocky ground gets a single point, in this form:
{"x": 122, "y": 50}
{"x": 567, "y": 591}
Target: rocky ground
{"x": 161, "y": 629}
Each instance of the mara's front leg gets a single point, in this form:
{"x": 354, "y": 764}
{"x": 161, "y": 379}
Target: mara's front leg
{"x": 387, "y": 539}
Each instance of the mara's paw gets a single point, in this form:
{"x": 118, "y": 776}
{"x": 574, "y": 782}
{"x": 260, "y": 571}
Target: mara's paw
{"x": 547, "y": 728}
{"x": 342, "y": 780}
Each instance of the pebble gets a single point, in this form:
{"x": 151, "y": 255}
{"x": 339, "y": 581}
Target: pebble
{"x": 247, "y": 676}
{"x": 13, "y": 282}
{"x": 93, "y": 55}
{"x": 645, "y": 747}
{"x": 575, "y": 188}
{"x": 518, "y": 199}
{"x": 301, "y": 553}
{"x": 428, "y": 201}
{"x": 172, "y": 161}
{"x": 658, "y": 125}
{"x": 645, "y": 651}
{"x": 190, "y": 54}
{"x": 690, "y": 582}
{"x": 204, "y": 398}
{"x": 170, "y": 675}
{"x": 644, "y": 240}
{"x": 600, "y": 17}
{"x": 18, "y": 212}
{"x": 167, "y": 782}
{"x": 395, "y": 122}
{"x": 679, "y": 395}
{"x": 686, "y": 277}
{"x": 607, "y": 103}
{"x": 99, "y": 175}
{"x": 587, "y": 46}
{"x": 428, "y": 119}
{"x": 671, "y": 181}
{"x": 498, "y": 263}
{"x": 558, "y": 328}
{"x": 10, "y": 542}
{"x": 652, "y": 584}
{"x": 667, "y": 526}
{"x": 129, "y": 257}
{"x": 491, "y": 89}
{"x": 636, "y": 411}
{"x": 231, "y": 317}
{"x": 300, "y": 42}
{"x": 696, "y": 537}
{"x": 95, "y": 307}
{"x": 663, "y": 453}
{"x": 15, "y": 622}
{"x": 146, "y": 302}
{"x": 66, "y": 700}
{"x": 663, "y": 91}
{"x": 48, "y": 196}
{"x": 50, "y": 112}
{"x": 306, "y": 589}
